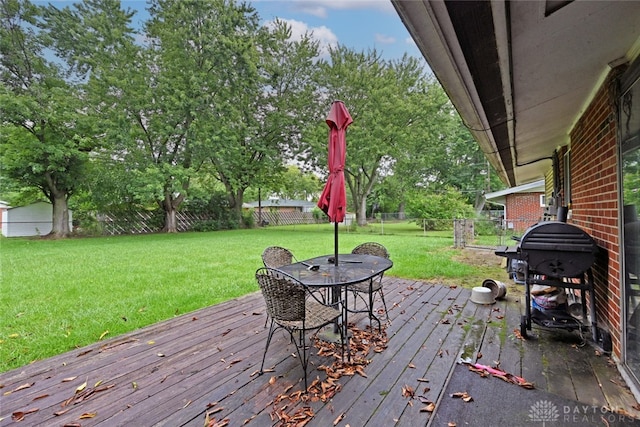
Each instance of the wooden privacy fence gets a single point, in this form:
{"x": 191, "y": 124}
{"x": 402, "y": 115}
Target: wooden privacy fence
{"x": 143, "y": 222}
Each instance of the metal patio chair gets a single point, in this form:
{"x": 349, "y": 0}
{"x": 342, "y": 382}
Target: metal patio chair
{"x": 290, "y": 308}
{"x": 366, "y": 290}
{"x": 276, "y": 256}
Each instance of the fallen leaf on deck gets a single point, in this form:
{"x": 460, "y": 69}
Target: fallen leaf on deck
{"x": 19, "y": 415}
{"x": 338, "y": 419}
{"x": 58, "y": 413}
{"x": 42, "y": 396}
{"x": 423, "y": 380}
{"x": 625, "y": 413}
{"x": 68, "y": 379}
{"x": 462, "y": 395}
{"x": 208, "y": 422}
{"x": 451, "y": 424}
{"x": 233, "y": 362}
{"x": 412, "y": 366}
{"x": 81, "y": 386}
{"x": 408, "y": 391}
{"x": 88, "y": 415}
{"x": 429, "y": 408}
{"x": 23, "y": 386}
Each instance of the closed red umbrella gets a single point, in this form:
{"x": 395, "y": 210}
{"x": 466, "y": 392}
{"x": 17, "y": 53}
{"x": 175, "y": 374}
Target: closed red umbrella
{"x": 333, "y": 200}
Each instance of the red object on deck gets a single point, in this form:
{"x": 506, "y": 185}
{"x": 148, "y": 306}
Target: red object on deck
{"x": 333, "y": 200}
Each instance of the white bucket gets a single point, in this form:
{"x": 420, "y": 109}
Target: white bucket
{"x": 498, "y": 289}
{"x": 481, "y": 295}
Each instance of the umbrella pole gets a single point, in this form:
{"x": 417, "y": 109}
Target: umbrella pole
{"x": 335, "y": 292}
{"x": 335, "y": 244}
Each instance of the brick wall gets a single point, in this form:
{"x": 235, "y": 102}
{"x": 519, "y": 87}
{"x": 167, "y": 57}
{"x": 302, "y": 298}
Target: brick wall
{"x": 594, "y": 201}
{"x": 523, "y": 209}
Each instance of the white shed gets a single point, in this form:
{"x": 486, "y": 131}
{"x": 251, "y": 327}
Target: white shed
{"x": 35, "y": 219}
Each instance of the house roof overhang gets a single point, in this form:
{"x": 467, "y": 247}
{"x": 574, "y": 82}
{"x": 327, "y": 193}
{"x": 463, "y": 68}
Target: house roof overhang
{"x": 522, "y": 73}
{"x": 500, "y": 197}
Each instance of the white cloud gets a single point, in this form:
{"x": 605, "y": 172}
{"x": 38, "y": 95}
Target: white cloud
{"x": 313, "y": 10}
{"x": 384, "y": 39}
{"x": 322, "y": 34}
{"x": 319, "y": 7}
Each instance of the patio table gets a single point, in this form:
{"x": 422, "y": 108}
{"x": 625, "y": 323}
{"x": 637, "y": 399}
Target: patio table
{"x": 321, "y": 272}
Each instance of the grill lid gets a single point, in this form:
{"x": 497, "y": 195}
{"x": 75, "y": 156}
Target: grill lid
{"x": 557, "y": 249}
{"x": 557, "y": 236}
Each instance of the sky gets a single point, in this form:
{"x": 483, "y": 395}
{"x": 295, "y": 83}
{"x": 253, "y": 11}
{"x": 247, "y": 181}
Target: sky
{"x": 358, "y": 24}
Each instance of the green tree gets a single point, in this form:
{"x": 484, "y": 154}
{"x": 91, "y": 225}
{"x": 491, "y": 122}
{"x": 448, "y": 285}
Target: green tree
{"x": 378, "y": 95}
{"x": 46, "y": 134}
{"x": 439, "y": 152}
{"x": 172, "y": 100}
{"x": 430, "y": 114}
{"x": 273, "y": 106}
{"x": 436, "y": 210}
{"x": 295, "y": 184}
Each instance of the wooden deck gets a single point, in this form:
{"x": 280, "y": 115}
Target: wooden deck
{"x": 174, "y": 372}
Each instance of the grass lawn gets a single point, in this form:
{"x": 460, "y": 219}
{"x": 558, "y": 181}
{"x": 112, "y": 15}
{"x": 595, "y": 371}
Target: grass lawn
{"x": 60, "y": 294}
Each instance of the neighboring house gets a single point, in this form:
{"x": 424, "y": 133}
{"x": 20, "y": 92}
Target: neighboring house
{"x": 523, "y": 205}
{"x": 35, "y": 219}
{"x": 551, "y": 89}
{"x": 3, "y": 207}
{"x": 283, "y": 205}
{"x": 282, "y": 211}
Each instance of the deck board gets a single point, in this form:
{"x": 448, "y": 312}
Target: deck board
{"x": 173, "y": 372}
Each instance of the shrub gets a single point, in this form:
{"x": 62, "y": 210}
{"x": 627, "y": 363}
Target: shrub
{"x": 435, "y": 211}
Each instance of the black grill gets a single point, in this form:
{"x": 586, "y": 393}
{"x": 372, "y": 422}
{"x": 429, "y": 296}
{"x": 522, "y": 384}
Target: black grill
{"x": 557, "y": 250}
{"x": 553, "y": 253}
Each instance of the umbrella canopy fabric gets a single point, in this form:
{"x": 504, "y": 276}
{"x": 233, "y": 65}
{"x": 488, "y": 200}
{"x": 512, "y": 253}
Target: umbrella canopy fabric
{"x": 333, "y": 200}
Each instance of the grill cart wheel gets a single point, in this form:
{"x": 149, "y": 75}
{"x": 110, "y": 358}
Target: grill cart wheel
{"x": 523, "y": 326}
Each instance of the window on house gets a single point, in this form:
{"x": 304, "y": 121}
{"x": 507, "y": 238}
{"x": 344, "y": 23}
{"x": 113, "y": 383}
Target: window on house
{"x": 629, "y": 129}
{"x": 543, "y": 201}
